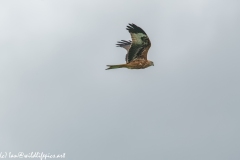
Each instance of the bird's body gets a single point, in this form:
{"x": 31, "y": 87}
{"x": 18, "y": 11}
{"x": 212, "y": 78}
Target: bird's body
{"x": 137, "y": 49}
{"x": 136, "y": 64}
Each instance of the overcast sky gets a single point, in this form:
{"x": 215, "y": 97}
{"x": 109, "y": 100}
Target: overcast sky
{"x": 56, "y": 96}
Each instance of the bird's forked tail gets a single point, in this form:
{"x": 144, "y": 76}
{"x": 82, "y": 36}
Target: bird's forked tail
{"x": 116, "y": 66}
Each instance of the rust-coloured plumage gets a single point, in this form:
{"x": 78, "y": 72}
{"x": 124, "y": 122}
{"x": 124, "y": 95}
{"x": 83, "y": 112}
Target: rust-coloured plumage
{"x": 137, "y": 49}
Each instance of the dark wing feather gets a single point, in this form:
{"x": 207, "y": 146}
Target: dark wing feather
{"x": 140, "y": 43}
{"x": 132, "y": 28}
{"x": 124, "y": 44}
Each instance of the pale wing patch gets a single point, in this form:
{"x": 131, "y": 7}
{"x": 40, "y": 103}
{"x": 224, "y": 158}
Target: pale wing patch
{"x": 137, "y": 37}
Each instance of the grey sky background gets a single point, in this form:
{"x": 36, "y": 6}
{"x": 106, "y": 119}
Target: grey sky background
{"x": 56, "y": 96}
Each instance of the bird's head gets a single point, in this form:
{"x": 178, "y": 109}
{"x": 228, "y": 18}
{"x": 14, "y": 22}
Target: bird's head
{"x": 151, "y": 63}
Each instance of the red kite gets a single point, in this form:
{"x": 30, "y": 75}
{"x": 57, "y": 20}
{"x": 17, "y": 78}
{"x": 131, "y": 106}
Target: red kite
{"x": 137, "y": 49}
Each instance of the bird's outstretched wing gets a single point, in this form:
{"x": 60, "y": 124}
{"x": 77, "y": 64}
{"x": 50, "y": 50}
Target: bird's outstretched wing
{"x": 124, "y": 44}
{"x": 140, "y": 43}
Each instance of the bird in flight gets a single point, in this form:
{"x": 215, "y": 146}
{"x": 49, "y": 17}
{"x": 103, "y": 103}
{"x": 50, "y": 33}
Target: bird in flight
{"x": 137, "y": 49}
